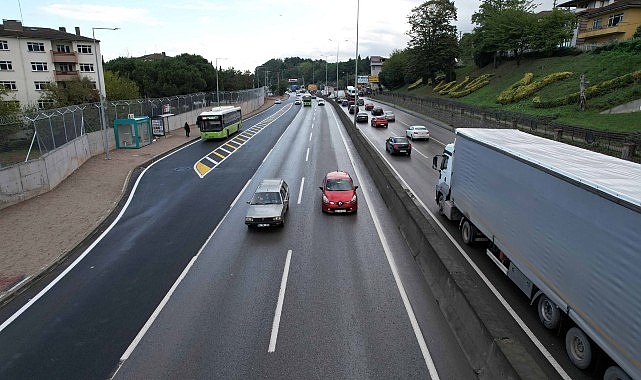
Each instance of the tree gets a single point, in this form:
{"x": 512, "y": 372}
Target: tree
{"x": 553, "y": 29}
{"x": 395, "y": 70}
{"x": 71, "y": 92}
{"x": 9, "y": 116}
{"x": 120, "y": 88}
{"x": 433, "y": 46}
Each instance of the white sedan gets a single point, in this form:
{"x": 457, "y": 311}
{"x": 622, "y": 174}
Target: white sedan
{"x": 415, "y": 132}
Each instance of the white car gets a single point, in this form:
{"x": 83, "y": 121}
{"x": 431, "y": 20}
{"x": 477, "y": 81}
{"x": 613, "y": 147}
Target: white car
{"x": 298, "y": 102}
{"x": 321, "y": 102}
{"x": 277, "y": 101}
{"x": 417, "y": 132}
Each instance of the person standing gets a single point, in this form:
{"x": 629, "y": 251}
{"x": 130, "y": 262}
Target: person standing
{"x": 187, "y": 130}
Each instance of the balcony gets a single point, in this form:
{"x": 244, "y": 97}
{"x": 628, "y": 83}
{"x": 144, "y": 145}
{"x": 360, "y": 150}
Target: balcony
{"x": 62, "y": 75}
{"x": 63, "y": 57}
{"x": 600, "y": 32}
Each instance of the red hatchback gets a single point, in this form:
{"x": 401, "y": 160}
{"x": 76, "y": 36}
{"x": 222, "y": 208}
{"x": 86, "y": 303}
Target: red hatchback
{"x": 338, "y": 193}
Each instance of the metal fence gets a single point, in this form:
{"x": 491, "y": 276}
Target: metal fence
{"x": 622, "y": 145}
{"x": 43, "y": 131}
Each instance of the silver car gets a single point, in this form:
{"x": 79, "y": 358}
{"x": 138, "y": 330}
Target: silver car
{"x": 269, "y": 204}
{"x": 389, "y": 115}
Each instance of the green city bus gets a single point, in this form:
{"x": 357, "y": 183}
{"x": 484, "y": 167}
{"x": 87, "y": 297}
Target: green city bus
{"x": 220, "y": 122}
{"x": 307, "y": 100}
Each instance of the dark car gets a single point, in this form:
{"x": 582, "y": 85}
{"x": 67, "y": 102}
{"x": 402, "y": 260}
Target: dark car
{"x": 362, "y": 117}
{"x": 338, "y": 193}
{"x": 398, "y": 144}
{"x": 379, "y": 121}
{"x": 360, "y": 102}
{"x": 377, "y": 111}
{"x": 344, "y": 103}
{"x": 353, "y": 109}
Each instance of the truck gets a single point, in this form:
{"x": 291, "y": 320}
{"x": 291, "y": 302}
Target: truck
{"x": 312, "y": 88}
{"x": 564, "y": 224}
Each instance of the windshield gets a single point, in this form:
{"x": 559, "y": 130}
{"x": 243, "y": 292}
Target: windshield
{"x": 266, "y": 198}
{"x": 338, "y": 185}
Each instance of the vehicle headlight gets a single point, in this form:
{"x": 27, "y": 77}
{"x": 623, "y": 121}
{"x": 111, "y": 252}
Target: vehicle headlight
{"x": 249, "y": 219}
{"x": 277, "y": 218}
{"x": 325, "y": 200}
{"x": 353, "y": 199}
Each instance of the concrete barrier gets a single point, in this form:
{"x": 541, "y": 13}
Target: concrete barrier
{"x": 462, "y": 298}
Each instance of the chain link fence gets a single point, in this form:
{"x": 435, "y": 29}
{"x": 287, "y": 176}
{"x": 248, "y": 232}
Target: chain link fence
{"x": 459, "y": 115}
{"x": 35, "y": 134}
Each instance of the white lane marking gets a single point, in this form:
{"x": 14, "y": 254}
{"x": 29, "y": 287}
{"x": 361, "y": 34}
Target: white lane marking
{"x": 487, "y": 282}
{"x": 310, "y": 136}
{"x": 279, "y": 304}
{"x": 86, "y": 251}
{"x": 429, "y": 362}
{"x": 300, "y": 191}
{"x": 164, "y": 301}
{"x": 307, "y": 155}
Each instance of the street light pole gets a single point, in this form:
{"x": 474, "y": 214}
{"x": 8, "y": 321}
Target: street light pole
{"x": 217, "y": 93}
{"x": 358, "y": 6}
{"x": 337, "y": 47}
{"x": 103, "y": 120}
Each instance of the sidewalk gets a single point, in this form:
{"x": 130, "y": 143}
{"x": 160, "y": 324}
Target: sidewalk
{"x": 39, "y": 232}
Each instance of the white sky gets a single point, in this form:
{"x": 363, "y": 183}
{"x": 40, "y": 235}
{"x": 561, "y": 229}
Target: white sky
{"x": 246, "y": 33}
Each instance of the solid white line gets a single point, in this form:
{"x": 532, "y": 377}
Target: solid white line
{"x": 279, "y": 304}
{"x": 300, "y": 192}
{"x": 429, "y": 362}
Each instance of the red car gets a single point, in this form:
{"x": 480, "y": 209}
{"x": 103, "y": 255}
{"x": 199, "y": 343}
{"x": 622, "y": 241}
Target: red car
{"x": 338, "y": 193}
{"x": 369, "y": 106}
{"x": 379, "y": 121}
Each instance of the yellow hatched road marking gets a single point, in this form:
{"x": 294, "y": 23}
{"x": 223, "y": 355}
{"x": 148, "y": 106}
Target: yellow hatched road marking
{"x": 202, "y": 169}
{"x": 220, "y": 155}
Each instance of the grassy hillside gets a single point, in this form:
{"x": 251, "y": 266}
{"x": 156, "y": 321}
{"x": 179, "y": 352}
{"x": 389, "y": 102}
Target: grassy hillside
{"x": 597, "y": 69}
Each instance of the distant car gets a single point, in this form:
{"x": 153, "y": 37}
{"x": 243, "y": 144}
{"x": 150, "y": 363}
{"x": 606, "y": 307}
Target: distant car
{"x": 398, "y": 144}
{"x": 277, "y": 101}
{"x": 298, "y": 102}
{"x": 344, "y": 103}
{"x": 269, "y": 204}
{"x": 338, "y": 193}
{"x": 379, "y": 121}
{"x": 417, "y": 132}
{"x": 377, "y": 111}
{"x": 313, "y": 96}
{"x": 360, "y": 102}
{"x": 362, "y": 117}
{"x": 353, "y": 109}
{"x": 369, "y": 106}
{"x": 389, "y": 115}
{"x": 321, "y": 102}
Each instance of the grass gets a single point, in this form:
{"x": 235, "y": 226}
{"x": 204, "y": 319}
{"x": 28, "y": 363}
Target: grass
{"x": 596, "y": 68}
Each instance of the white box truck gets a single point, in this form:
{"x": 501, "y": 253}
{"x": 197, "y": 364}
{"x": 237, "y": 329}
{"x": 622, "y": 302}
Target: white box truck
{"x": 564, "y": 224}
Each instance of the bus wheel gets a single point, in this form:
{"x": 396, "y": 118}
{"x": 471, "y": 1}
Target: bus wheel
{"x": 578, "y": 348}
{"x": 549, "y": 313}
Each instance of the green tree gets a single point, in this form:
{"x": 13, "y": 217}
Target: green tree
{"x": 553, "y": 29}
{"x": 120, "y": 88}
{"x": 71, "y": 92}
{"x": 9, "y": 116}
{"x": 433, "y": 45}
{"x": 394, "y": 73}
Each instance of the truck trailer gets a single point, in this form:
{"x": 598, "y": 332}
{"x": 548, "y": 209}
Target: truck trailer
{"x": 564, "y": 224}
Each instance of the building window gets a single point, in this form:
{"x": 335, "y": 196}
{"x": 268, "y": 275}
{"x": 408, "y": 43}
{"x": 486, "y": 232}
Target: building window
{"x": 65, "y": 67}
{"x": 4, "y": 45}
{"x": 63, "y": 49}
{"x": 39, "y": 66}
{"x": 45, "y": 104}
{"x": 9, "y": 85}
{"x": 40, "y": 85}
{"x": 36, "y": 46}
{"x": 6, "y": 66}
{"x": 84, "y": 49}
{"x": 614, "y": 20}
{"x": 86, "y": 67}
{"x": 596, "y": 23}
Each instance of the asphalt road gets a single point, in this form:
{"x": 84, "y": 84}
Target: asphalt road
{"x": 326, "y": 296}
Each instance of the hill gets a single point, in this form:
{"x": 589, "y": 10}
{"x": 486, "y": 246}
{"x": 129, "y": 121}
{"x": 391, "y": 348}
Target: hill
{"x": 612, "y": 75}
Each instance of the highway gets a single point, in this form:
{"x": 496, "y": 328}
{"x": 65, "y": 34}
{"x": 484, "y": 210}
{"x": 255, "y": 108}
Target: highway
{"x": 179, "y": 287}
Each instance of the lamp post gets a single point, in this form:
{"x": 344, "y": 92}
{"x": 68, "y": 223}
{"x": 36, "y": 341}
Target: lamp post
{"x": 358, "y": 6}
{"x": 256, "y": 75}
{"x": 337, "y": 47}
{"x": 217, "y": 93}
{"x": 103, "y": 121}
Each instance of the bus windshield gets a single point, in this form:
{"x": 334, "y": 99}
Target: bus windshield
{"x": 209, "y": 123}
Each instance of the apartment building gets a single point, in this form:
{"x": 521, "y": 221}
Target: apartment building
{"x": 31, "y": 57}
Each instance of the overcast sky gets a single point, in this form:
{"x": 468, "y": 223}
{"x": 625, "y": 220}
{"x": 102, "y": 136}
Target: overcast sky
{"x": 242, "y": 34}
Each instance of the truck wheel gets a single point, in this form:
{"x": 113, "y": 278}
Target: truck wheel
{"x": 615, "y": 373}
{"x": 439, "y": 202}
{"x": 549, "y": 313}
{"x": 466, "y": 232}
{"x": 578, "y": 348}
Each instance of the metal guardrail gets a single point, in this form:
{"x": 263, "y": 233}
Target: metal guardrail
{"x": 623, "y": 145}
{"x": 43, "y": 131}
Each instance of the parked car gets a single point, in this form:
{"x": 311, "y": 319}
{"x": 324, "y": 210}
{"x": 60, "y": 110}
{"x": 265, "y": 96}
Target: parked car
{"x": 353, "y": 109}
{"x": 362, "y": 117}
{"x": 338, "y": 193}
{"x": 417, "y": 132}
{"x": 369, "y": 106}
{"x": 398, "y": 144}
{"x": 321, "y": 102}
{"x": 377, "y": 111}
{"x": 379, "y": 121}
{"x": 389, "y": 115}
{"x": 269, "y": 204}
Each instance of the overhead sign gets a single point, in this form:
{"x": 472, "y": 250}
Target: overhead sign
{"x": 292, "y": 80}
{"x": 362, "y": 79}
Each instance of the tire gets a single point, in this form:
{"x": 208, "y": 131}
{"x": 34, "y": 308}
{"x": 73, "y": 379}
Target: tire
{"x": 578, "y": 347}
{"x": 549, "y": 313}
{"x": 615, "y": 373}
{"x": 466, "y": 232}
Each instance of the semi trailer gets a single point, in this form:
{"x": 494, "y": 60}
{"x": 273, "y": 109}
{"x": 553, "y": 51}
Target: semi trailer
{"x": 564, "y": 224}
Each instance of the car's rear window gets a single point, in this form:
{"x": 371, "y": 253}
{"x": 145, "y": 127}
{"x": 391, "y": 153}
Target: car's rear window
{"x": 401, "y": 140}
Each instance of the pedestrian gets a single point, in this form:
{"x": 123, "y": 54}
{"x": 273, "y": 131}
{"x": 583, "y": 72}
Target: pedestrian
{"x": 187, "y": 130}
